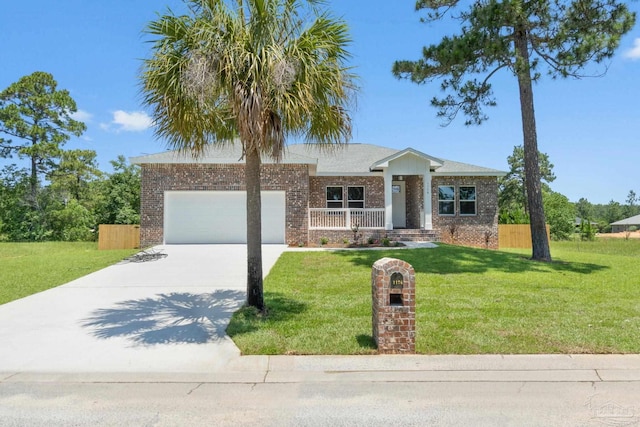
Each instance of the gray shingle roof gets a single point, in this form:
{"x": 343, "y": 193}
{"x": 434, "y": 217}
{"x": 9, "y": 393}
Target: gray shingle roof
{"x": 350, "y": 159}
{"x": 450, "y": 167}
{"x": 634, "y": 220}
{"x": 224, "y": 154}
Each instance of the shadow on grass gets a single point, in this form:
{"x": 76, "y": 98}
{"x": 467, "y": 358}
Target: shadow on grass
{"x": 366, "y": 342}
{"x": 279, "y": 308}
{"x": 447, "y": 259}
{"x": 168, "y": 318}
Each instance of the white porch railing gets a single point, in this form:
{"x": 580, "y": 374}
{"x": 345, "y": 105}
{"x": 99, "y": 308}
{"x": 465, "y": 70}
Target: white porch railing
{"x": 332, "y": 219}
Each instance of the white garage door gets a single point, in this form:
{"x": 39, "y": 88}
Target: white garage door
{"x": 220, "y": 217}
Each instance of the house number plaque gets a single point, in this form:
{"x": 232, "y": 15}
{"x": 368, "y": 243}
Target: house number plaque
{"x": 397, "y": 281}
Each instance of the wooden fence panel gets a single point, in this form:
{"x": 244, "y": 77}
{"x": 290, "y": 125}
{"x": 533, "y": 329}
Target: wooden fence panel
{"x": 118, "y": 236}
{"x": 516, "y": 236}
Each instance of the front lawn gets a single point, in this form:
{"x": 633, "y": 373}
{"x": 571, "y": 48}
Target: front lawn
{"x": 469, "y": 301}
{"x": 27, "y": 268}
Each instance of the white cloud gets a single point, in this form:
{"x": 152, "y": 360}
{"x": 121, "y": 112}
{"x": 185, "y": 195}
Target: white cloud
{"x": 123, "y": 121}
{"x": 81, "y": 116}
{"x": 634, "y": 52}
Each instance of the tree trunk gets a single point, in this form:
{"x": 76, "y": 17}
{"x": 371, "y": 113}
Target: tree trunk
{"x": 539, "y": 240}
{"x": 255, "y": 296}
{"x": 33, "y": 182}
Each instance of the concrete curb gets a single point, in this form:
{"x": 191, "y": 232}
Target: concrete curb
{"x": 372, "y": 369}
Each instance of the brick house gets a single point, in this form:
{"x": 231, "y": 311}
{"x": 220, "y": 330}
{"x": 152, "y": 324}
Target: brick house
{"x": 313, "y": 194}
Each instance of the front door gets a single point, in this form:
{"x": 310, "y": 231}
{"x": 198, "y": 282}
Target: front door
{"x": 399, "y": 204}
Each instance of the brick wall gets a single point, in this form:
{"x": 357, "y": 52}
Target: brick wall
{"x": 480, "y": 230}
{"x": 373, "y": 189}
{"x": 394, "y": 320}
{"x": 415, "y": 200}
{"x": 339, "y": 236}
{"x": 158, "y": 178}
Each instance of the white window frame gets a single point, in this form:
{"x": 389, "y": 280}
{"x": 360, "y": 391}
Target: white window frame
{"x": 474, "y": 200}
{"x": 333, "y": 201}
{"x": 349, "y": 201}
{"x": 453, "y": 201}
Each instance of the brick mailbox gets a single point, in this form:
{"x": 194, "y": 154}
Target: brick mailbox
{"x": 393, "y": 287}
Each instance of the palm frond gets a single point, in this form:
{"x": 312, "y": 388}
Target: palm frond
{"x": 265, "y": 70}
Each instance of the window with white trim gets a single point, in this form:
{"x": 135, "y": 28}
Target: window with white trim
{"x": 355, "y": 197}
{"x": 467, "y": 198}
{"x": 446, "y": 200}
{"x": 335, "y": 197}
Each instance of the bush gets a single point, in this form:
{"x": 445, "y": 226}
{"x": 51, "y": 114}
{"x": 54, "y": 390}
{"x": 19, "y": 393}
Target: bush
{"x": 72, "y": 223}
{"x": 560, "y": 215}
{"x": 587, "y": 232}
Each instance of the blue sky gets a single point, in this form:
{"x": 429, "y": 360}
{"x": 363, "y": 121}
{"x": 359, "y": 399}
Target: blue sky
{"x": 590, "y": 127}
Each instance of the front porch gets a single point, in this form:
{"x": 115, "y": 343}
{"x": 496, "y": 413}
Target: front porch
{"x": 346, "y": 219}
{"x": 338, "y": 225}
{"x": 392, "y": 201}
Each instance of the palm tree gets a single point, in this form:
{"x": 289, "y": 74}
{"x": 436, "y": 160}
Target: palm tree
{"x": 258, "y": 71}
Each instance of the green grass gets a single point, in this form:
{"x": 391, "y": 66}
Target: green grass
{"x": 468, "y": 301}
{"x": 27, "y": 268}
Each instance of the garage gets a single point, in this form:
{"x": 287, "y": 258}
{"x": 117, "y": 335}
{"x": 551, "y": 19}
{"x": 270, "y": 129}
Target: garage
{"x": 192, "y": 217}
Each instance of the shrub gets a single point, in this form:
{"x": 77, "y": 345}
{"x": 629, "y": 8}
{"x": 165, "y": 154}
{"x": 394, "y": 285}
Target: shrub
{"x": 587, "y": 232}
{"x": 560, "y": 215}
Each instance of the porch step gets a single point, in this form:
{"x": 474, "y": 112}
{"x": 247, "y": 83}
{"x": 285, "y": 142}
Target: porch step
{"x": 413, "y": 235}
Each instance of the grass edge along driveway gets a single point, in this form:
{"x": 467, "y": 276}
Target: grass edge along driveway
{"x": 468, "y": 301}
{"x": 28, "y": 268}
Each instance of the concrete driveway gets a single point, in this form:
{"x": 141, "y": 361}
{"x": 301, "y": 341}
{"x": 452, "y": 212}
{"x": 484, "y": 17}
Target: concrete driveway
{"x": 166, "y": 315}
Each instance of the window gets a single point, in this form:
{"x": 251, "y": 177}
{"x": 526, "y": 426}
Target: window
{"x": 334, "y": 197}
{"x": 467, "y": 200}
{"x": 446, "y": 200}
{"x": 355, "y": 197}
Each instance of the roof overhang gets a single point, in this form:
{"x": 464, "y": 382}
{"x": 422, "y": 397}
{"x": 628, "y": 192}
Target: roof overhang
{"x": 222, "y": 157}
{"x": 634, "y": 220}
{"x": 496, "y": 174}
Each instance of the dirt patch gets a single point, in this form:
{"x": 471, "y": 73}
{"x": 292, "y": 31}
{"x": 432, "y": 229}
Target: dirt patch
{"x": 622, "y": 235}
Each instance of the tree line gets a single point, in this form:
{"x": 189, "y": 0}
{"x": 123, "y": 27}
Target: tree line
{"x": 564, "y": 217}
{"x": 60, "y": 194}
{"x": 613, "y": 211}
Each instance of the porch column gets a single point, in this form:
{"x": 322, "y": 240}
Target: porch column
{"x": 388, "y": 200}
{"x": 428, "y": 211}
